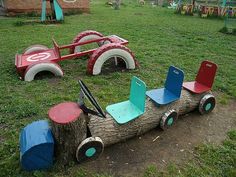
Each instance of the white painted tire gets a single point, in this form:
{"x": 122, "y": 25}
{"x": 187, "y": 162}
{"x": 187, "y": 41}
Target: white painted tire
{"x": 34, "y": 49}
{"x": 34, "y": 69}
{"x": 86, "y": 36}
{"x": 107, "y": 52}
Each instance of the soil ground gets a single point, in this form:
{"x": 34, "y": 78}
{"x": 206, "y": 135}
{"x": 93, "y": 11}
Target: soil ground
{"x": 160, "y": 148}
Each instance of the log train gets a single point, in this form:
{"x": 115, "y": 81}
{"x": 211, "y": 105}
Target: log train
{"x": 75, "y": 131}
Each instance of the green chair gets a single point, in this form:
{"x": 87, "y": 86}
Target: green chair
{"x": 126, "y": 111}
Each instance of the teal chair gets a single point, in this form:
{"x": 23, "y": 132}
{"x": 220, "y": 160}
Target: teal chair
{"x": 126, "y": 111}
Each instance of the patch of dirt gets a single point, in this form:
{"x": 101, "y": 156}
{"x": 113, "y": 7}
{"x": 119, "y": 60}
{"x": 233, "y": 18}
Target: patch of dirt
{"x": 159, "y": 148}
{"x": 110, "y": 66}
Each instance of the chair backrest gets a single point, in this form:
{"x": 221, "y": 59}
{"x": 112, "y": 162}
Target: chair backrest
{"x": 138, "y": 93}
{"x": 174, "y": 80}
{"x": 206, "y": 73}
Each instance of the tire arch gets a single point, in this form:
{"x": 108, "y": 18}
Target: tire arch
{"x": 85, "y": 35}
{"x": 35, "y": 48}
{"x": 36, "y": 68}
{"x": 107, "y": 51}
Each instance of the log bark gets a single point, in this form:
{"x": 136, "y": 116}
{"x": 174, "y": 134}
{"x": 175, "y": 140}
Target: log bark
{"x": 111, "y": 132}
{"x": 68, "y": 137}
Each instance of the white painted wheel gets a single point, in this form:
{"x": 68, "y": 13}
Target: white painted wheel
{"x": 86, "y": 36}
{"x": 34, "y": 69}
{"x": 107, "y": 52}
{"x": 34, "y": 49}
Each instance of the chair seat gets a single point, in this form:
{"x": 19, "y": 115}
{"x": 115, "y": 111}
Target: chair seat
{"x": 123, "y": 112}
{"x": 64, "y": 113}
{"x": 195, "y": 87}
{"x": 161, "y": 96}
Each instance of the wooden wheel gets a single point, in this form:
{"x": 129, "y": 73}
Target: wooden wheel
{"x": 89, "y": 149}
{"x": 168, "y": 119}
{"x": 207, "y": 104}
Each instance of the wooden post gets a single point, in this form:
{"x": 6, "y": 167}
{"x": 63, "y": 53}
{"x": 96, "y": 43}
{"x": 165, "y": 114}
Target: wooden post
{"x": 69, "y": 127}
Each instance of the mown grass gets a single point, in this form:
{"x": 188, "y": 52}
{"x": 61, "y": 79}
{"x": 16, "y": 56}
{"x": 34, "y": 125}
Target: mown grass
{"x": 158, "y": 37}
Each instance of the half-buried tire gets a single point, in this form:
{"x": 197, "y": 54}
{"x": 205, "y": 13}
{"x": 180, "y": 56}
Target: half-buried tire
{"x": 89, "y": 149}
{"x": 107, "y": 52}
{"x": 35, "y": 48}
{"x": 83, "y": 37}
{"x": 34, "y": 69}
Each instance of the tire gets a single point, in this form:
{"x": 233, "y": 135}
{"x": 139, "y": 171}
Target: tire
{"x": 34, "y": 49}
{"x": 89, "y": 149}
{"x": 85, "y": 36}
{"x": 207, "y": 104}
{"x": 109, "y": 51}
{"x": 168, "y": 119}
{"x": 34, "y": 69}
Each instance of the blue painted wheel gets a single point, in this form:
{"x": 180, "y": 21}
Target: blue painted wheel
{"x": 89, "y": 149}
{"x": 168, "y": 119}
{"x": 207, "y": 104}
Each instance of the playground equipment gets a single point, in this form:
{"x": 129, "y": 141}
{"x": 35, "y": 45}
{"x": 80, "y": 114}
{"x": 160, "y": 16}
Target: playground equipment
{"x": 129, "y": 110}
{"x": 36, "y": 146}
{"x": 185, "y": 7}
{"x": 83, "y": 132}
{"x": 38, "y": 58}
{"x": 172, "y": 90}
{"x": 230, "y": 17}
{"x": 208, "y": 8}
{"x": 203, "y": 83}
{"x": 173, "y": 5}
{"x": 56, "y": 11}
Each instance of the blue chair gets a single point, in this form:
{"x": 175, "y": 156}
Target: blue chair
{"x": 172, "y": 90}
{"x": 126, "y": 111}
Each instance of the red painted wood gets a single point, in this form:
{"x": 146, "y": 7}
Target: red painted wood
{"x": 23, "y": 61}
{"x": 206, "y": 73}
{"x": 26, "y": 60}
{"x": 204, "y": 79}
{"x": 64, "y": 113}
{"x": 195, "y": 87}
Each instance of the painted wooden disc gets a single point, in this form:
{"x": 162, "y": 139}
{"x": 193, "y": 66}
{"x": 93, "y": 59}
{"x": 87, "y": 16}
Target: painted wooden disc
{"x": 89, "y": 149}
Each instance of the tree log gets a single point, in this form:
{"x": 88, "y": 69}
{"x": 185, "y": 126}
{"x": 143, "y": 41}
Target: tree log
{"x": 68, "y": 137}
{"x": 111, "y": 132}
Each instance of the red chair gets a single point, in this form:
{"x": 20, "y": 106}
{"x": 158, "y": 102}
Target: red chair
{"x": 204, "y": 80}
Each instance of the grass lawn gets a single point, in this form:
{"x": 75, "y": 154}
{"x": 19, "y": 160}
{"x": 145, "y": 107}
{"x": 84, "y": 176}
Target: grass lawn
{"x": 158, "y": 37}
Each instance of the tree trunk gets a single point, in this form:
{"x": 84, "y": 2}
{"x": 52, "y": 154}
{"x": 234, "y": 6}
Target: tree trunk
{"x": 111, "y": 132}
{"x": 68, "y": 137}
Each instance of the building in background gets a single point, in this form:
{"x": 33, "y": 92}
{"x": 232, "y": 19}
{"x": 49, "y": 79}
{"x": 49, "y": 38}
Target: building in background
{"x": 15, "y": 7}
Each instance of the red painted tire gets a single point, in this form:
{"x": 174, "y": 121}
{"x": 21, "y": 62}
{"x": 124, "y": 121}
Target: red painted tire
{"x": 34, "y": 69}
{"x": 34, "y": 49}
{"x": 85, "y": 36}
{"x": 108, "y": 51}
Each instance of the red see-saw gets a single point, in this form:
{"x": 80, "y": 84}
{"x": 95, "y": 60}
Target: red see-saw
{"x": 38, "y": 58}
